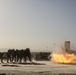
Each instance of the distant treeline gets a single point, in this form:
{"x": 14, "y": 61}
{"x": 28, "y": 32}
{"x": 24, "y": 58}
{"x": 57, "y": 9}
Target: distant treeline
{"x": 41, "y": 55}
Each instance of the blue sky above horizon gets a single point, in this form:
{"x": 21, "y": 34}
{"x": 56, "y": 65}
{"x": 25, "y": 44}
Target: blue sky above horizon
{"x": 37, "y": 24}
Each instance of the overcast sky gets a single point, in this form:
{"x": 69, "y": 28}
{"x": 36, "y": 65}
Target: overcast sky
{"x": 37, "y": 24}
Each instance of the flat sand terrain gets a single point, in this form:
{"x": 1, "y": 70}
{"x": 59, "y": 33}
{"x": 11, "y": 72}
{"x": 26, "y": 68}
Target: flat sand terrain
{"x": 37, "y": 68}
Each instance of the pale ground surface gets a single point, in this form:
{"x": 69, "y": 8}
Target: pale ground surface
{"x": 38, "y": 68}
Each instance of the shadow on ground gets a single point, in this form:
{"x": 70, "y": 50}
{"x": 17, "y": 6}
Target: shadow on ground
{"x": 10, "y": 65}
{"x": 33, "y": 63}
{"x": 17, "y": 64}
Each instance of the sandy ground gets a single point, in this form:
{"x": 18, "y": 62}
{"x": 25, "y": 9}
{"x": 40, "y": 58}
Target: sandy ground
{"x": 38, "y": 68}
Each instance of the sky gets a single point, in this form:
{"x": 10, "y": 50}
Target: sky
{"x": 40, "y": 25}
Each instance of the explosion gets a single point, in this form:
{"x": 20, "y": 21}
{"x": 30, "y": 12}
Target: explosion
{"x": 65, "y": 58}
{"x": 65, "y": 55}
